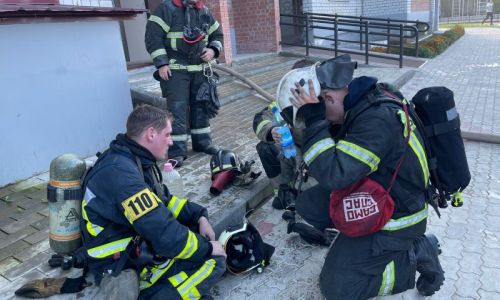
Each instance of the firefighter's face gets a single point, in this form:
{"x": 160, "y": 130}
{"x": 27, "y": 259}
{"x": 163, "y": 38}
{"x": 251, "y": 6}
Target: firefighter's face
{"x": 161, "y": 140}
{"x": 334, "y": 103}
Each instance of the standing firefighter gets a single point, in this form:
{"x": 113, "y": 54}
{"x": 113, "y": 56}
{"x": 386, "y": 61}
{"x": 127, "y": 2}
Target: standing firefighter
{"x": 182, "y": 36}
{"x": 373, "y": 177}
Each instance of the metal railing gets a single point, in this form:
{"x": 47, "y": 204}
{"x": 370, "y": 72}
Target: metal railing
{"x": 366, "y": 27}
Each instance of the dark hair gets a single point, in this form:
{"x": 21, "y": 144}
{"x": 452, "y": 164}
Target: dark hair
{"x": 303, "y": 63}
{"x": 145, "y": 116}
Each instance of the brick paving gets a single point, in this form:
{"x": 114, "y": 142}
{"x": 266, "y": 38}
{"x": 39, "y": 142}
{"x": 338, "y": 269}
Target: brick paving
{"x": 470, "y": 235}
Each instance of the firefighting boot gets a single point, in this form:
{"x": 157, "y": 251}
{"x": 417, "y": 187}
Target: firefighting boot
{"x": 431, "y": 278}
{"x": 286, "y": 197}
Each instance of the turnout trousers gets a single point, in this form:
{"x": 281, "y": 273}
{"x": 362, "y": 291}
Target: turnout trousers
{"x": 181, "y": 279}
{"x": 180, "y": 91}
{"x": 362, "y": 267}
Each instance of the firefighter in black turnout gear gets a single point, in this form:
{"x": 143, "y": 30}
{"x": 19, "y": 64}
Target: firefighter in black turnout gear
{"x": 131, "y": 221}
{"x": 370, "y": 143}
{"x": 182, "y": 36}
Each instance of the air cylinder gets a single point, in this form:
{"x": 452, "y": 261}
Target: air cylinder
{"x": 65, "y": 195}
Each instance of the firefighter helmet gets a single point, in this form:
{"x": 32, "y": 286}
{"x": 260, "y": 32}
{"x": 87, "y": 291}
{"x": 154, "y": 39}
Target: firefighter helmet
{"x": 245, "y": 248}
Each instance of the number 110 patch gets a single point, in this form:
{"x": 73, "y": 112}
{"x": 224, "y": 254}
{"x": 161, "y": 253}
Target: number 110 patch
{"x": 139, "y": 204}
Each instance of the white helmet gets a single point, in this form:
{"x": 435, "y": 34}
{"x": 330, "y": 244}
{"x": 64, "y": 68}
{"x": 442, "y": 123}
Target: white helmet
{"x": 302, "y": 75}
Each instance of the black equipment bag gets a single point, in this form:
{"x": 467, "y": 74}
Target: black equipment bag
{"x": 447, "y": 160}
{"x": 208, "y": 94}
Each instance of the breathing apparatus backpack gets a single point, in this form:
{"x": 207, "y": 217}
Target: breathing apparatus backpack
{"x": 436, "y": 117}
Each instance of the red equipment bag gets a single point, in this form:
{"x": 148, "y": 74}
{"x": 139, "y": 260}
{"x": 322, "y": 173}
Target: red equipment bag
{"x": 361, "y": 209}
{"x": 365, "y": 206}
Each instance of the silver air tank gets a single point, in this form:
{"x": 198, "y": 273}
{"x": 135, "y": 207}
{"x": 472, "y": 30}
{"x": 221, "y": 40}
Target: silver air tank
{"x": 65, "y": 202}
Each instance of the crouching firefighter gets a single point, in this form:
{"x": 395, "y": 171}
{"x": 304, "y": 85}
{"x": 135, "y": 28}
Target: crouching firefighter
{"x": 182, "y": 36}
{"x": 139, "y": 225}
{"x": 373, "y": 181}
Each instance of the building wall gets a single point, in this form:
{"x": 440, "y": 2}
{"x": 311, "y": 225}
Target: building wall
{"x": 64, "y": 89}
{"x": 134, "y": 31}
{"x": 386, "y": 9}
{"x": 256, "y": 23}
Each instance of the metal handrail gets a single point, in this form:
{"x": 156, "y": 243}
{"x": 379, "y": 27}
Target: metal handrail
{"x": 365, "y": 26}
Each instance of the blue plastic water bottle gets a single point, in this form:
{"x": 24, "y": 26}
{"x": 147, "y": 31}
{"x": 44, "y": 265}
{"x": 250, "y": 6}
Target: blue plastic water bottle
{"x": 277, "y": 119}
{"x": 287, "y": 145}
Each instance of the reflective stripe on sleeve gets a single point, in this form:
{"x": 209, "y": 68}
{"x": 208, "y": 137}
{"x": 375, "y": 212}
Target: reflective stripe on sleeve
{"x": 190, "y": 248}
{"x": 109, "y": 248}
{"x": 261, "y": 125}
{"x": 407, "y": 221}
{"x": 387, "y": 280}
{"x": 157, "y": 53}
{"x": 365, "y": 156}
{"x": 160, "y": 22}
{"x": 213, "y": 28}
{"x": 318, "y": 148}
{"x": 175, "y": 205}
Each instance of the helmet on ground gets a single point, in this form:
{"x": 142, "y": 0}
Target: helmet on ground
{"x": 301, "y": 75}
{"x": 245, "y": 248}
{"x": 223, "y": 160}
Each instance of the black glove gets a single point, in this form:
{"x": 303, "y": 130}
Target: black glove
{"x": 207, "y": 94}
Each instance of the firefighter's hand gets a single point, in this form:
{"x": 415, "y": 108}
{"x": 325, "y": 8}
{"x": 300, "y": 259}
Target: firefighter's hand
{"x": 217, "y": 249}
{"x": 300, "y": 97}
{"x": 207, "y": 54}
{"x": 165, "y": 72}
{"x": 206, "y": 229}
{"x": 276, "y": 136}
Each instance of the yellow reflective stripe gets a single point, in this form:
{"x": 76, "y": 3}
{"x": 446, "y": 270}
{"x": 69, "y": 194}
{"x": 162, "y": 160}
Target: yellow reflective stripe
{"x": 200, "y": 130}
{"x": 93, "y": 229}
{"x": 420, "y": 153}
{"x": 175, "y": 205}
{"x": 318, "y": 148}
{"x": 173, "y": 44}
{"x": 190, "y": 248}
{"x": 387, "y": 280}
{"x": 160, "y": 22}
{"x": 405, "y": 222}
{"x": 189, "y": 68}
{"x": 213, "y": 28}
{"x": 195, "y": 279}
{"x": 157, "y": 273}
{"x": 175, "y": 35}
{"x": 224, "y": 167}
{"x": 261, "y": 125}
{"x": 193, "y": 294}
{"x": 109, "y": 248}
{"x": 157, "y": 53}
{"x": 178, "y": 279}
{"x": 365, "y": 156}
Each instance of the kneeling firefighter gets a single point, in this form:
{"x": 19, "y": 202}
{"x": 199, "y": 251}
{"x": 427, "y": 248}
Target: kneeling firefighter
{"x": 373, "y": 182}
{"x": 182, "y": 36}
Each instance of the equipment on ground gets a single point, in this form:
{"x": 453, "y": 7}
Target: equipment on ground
{"x": 245, "y": 248}
{"x": 65, "y": 195}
